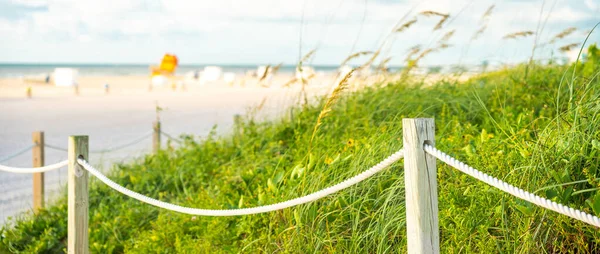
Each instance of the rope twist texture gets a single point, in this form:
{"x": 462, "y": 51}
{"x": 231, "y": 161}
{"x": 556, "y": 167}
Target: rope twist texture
{"x": 510, "y": 189}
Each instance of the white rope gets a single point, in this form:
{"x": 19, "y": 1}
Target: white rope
{"x": 245, "y": 211}
{"x": 34, "y": 170}
{"x": 540, "y": 201}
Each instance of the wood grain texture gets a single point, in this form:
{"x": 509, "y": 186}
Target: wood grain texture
{"x": 38, "y": 178}
{"x": 421, "y": 187}
{"x": 156, "y": 137}
{"x": 78, "y": 240}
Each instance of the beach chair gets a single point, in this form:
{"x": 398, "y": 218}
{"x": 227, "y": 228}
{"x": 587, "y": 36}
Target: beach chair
{"x": 167, "y": 66}
{"x": 161, "y": 74}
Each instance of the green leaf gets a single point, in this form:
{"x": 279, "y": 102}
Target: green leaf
{"x": 483, "y": 137}
{"x": 297, "y": 218}
{"x": 241, "y": 202}
{"x": 278, "y": 177}
{"x": 596, "y": 144}
{"x": 566, "y": 176}
{"x": 347, "y": 158}
{"x": 551, "y": 193}
{"x": 342, "y": 201}
{"x": 466, "y": 192}
{"x": 594, "y": 203}
{"x": 261, "y": 196}
{"x": 469, "y": 150}
{"x": 566, "y": 195}
{"x": 337, "y": 158}
{"x": 311, "y": 161}
{"x": 271, "y": 185}
{"x": 524, "y": 207}
{"x": 297, "y": 171}
{"x": 555, "y": 175}
{"x": 498, "y": 209}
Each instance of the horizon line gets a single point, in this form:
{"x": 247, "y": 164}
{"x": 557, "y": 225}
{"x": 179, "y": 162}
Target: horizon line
{"x": 204, "y": 64}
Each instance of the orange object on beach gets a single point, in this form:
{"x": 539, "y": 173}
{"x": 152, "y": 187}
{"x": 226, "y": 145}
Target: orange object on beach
{"x": 167, "y": 66}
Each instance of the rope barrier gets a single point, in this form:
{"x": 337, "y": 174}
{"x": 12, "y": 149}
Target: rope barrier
{"x": 24, "y": 150}
{"x": 115, "y": 148}
{"x": 56, "y": 148}
{"x": 34, "y": 170}
{"x": 525, "y": 195}
{"x": 246, "y": 211}
{"x": 171, "y": 137}
{"x": 107, "y": 150}
{"x": 499, "y": 184}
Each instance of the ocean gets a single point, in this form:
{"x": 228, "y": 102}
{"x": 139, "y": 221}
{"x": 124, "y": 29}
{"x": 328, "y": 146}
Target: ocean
{"x": 12, "y": 70}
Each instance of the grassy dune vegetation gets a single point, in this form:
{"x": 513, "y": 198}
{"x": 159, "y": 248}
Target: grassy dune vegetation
{"x": 536, "y": 127}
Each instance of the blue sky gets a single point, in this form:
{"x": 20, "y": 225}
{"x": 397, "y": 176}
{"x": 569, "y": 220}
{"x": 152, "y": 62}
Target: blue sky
{"x": 268, "y": 31}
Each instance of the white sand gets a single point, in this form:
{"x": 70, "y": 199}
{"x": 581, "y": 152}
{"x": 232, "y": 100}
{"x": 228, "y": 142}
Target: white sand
{"x": 112, "y": 119}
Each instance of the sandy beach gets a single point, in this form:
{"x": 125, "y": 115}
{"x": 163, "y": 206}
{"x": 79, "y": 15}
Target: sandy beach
{"x": 126, "y": 112}
{"x": 123, "y": 114}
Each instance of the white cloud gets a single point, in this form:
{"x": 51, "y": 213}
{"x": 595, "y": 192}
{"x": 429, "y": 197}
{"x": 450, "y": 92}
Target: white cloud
{"x": 591, "y": 4}
{"x": 84, "y": 38}
{"x": 31, "y": 3}
{"x": 268, "y": 30}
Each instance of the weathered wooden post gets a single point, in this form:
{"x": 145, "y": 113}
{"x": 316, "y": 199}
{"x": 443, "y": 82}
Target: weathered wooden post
{"x": 420, "y": 182}
{"x": 78, "y": 241}
{"x": 38, "y": 178}
{"x": 156, "y": 137}
{"x": 237, "y": 119}
{"x": 237, "y": 124}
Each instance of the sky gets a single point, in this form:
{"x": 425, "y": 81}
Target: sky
{"x": 276, "y": 31}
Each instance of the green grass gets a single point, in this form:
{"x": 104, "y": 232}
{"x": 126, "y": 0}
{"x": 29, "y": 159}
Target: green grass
{"x": 540, "y": 132}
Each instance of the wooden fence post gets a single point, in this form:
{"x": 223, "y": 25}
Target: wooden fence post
{"x": 78, "y": 241}
{"x": 156, "y": 137}
{"x": 420, "y": 182}
{"x": 237, "y": 119}
{"x": 38, "y": 178}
